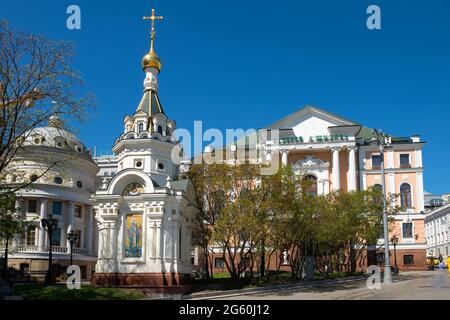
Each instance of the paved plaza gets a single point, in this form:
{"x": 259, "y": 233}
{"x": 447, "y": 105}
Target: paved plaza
{"x": 428, "y": 285}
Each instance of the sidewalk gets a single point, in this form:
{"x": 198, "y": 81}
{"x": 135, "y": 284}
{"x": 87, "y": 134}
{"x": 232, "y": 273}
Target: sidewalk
{"x": 268, "y": 289}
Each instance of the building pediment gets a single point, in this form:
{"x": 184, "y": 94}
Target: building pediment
{"x": 311, "y": 122}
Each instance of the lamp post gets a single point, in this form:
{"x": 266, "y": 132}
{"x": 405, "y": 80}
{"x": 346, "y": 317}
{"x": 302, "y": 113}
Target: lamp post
{"x": 50, "y": 225}
{"x": 72, "y": 237}
{"x": 382, "y": 140}
{"x": 394, "y": 241}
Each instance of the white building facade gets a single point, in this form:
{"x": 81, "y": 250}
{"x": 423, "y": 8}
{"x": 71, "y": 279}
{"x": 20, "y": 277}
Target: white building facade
{"x": 62, "y": 190}
{"x": 437, "y": 228}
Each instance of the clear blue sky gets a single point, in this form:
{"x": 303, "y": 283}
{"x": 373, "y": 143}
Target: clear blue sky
{"x": 246, "y": 64}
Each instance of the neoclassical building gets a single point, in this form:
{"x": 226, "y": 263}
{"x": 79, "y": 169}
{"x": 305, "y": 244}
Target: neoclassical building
{"x": 335, "y": 153}
{"x": 143, "y": 210}
{"x": 62, "y": 190}
{"x": 437, "y": 227}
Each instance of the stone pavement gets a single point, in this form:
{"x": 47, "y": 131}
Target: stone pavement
{"x": 428, "y": 285}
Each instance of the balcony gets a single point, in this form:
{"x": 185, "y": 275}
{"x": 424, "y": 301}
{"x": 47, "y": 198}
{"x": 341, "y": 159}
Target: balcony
{"x": 55, "y": 250}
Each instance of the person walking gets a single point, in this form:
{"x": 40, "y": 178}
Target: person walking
{"x": 441, "y": 262}
{"x": 448, "y": 263}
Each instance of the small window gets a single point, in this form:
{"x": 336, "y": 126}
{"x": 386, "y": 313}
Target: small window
{"x": 219, "y": 263}
{"x": 32, "y": 206}
{"x": 34, "y": 178}
{"x": 378, "y": 188}
{"x": 376, "y": 160}
{"x": 161, "y": 166}
{"x": 77, "y": 243}
{"x": 141, "y": 127}
{"x": 405, "y": 196}
{"x": 57, "y": 208}
{"x": 56, "y": 237}
{"x": 404, "y": 160}
{"x": 407, "y": 230}
{"x": 58, "y": 180}
{"x": 160, "y": 130}
{"x": 408, "y": 259}
{"x": 78, "y": 212}
{"x": 79, "y": 184}
{"x": 138, "y": 164}
{"x": 311, "y": 185}
{"x": 380, "y": 257}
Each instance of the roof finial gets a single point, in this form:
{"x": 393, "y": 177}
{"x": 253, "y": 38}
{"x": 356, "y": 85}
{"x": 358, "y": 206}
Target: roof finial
{"x": 151, "y": 59}
{"x": 152, "y": 31}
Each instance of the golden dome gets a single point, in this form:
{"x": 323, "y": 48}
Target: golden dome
{"x": 152, "y": 60}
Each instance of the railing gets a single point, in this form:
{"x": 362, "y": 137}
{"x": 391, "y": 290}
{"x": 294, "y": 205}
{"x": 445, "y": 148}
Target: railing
{"x": 55, "y": 249}
{"x": 83, "y": 251}
{"x": 26, "y": 248}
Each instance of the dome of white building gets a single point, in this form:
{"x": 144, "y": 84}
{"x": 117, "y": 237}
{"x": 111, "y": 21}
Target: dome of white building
{"x": 54, "y": 135}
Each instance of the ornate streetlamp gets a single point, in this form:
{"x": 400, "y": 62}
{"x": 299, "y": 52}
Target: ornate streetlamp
{"x": 72, "y": 237}
{"x": 394, "y": 241}
{"x": 50, "y": 225}
{"x": 383, "y": 142}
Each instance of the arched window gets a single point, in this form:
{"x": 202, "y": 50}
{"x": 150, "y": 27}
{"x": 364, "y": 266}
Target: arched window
{"x": 160, "y": 130}
{"x": 379, "y": 194}
{"x": 405, "y": 195}
{"x": 311, "y": 184}
{"x": 133, "y": 189}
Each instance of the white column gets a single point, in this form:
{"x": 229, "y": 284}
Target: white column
{"x": 196, "y": 254}
{"x": 390, "y": 159}
{"x": 391, "y": 186}
{"x": 159, "y": 241}
{"x": 42, "y": 215}
{"x": 70, "y": 217}
{"x": 336, "y": 179}
{"x": 419, "y": 192}
{"x": 90, "y": 232}
{"x": 419, "y": 163}
{"x": 351, "y": 169}
{"x": 326, "y": 186}
{"x": 20, "y": 207}
{"x": 284, "y": 157}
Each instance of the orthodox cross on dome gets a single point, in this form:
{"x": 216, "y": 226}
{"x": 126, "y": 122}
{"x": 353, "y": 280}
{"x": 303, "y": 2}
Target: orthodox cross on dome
{"x": 153, "y": 18}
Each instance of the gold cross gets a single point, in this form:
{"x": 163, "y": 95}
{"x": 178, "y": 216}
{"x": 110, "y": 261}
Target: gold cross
{"x": 153, "y": 18}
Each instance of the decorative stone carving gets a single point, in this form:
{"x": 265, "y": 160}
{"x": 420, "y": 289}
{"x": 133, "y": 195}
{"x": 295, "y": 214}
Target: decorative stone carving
{"x": 311, "y": 163}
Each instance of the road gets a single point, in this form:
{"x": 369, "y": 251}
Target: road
{"x": 427, "y": 285}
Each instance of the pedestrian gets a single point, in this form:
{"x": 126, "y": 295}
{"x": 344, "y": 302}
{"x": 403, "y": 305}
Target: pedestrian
{"x": 448, "y": 263}
{"x": 441, "y": 263}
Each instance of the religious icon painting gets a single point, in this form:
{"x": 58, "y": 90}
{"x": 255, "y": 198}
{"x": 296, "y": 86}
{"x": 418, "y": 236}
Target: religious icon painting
{"x": 133, "y": 237}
